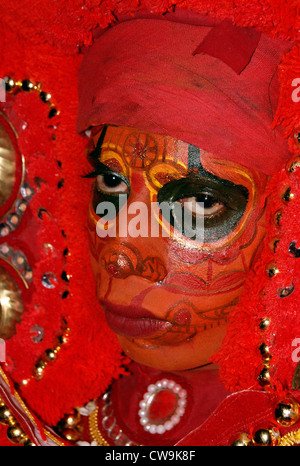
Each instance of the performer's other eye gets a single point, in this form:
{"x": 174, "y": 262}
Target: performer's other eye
{"x": 202, "y": 205}
{"x": 111, "y": 183}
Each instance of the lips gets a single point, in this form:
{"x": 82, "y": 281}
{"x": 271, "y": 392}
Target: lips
{"x": 133, "y": 321}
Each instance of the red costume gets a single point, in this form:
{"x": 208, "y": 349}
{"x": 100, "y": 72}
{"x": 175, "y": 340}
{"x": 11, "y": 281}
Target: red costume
{"x": 62, "y": 354}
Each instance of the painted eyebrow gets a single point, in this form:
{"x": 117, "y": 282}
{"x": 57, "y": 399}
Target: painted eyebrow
{"x": 196, "y": 168}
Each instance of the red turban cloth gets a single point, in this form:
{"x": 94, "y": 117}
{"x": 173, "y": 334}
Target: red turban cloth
{"x": 212, "y": 86}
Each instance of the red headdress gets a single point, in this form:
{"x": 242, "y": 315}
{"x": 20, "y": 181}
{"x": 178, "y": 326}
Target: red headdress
{"x": 41, "y": 53}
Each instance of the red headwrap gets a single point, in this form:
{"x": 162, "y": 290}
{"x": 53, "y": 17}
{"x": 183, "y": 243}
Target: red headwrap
{"x": 213, "y": 86}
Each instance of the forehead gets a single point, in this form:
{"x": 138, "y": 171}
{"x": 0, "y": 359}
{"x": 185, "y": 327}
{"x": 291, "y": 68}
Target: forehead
{"x": 141, "y": 149}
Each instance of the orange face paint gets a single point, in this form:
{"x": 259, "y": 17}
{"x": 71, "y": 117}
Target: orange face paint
{"x": 168, "y": 296}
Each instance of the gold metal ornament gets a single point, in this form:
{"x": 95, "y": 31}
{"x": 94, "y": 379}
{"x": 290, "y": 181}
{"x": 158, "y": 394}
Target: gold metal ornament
{"x": 7, "y": 165}
{"x": 5, "y": 415}
{"x": 240, "y": 440}
{"x": 264, "y": 377}
{"x": 264, "y": 323}
{"x": 272, "y": 270}
{"x": 11, "y": 305}
{"x": 14, "y": 86}
{"x": 287, "y": 412}
{"x": 16, "y": 435}
{"x": 265, "y": 352}
{"x": 264, "y": 437}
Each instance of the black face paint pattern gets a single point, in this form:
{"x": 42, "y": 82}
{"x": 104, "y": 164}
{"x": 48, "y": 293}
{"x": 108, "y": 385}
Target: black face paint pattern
{"x": 207, "y": 189}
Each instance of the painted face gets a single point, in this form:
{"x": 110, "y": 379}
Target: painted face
{"x": 167, "y": 285}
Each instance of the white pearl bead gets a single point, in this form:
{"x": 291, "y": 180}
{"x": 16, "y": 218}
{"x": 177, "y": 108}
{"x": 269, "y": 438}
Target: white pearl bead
{"x": 161, "y": 429}
{"x": 180, "y": 411}
{"x": 152, "y": 429}
{"x": 152, "y": 388}
{"x": 169, "y": 425}
{"x": 175, "y": 419}
{"x": 143, "y": 421}
{"x": 182, "y": 393}
{"x": 171, "y": 384}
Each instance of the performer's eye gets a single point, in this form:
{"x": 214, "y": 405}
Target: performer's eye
{"x": 203, "y": 207}
{"x": 111, "y": 183}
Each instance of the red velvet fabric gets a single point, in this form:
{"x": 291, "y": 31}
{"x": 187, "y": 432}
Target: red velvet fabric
{"x": 142, "y": 73}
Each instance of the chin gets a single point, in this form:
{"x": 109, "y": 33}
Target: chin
{"x": 190, "y": 354}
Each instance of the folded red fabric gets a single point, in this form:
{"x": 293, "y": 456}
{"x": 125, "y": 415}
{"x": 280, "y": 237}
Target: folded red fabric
{"x": 148, "y": 73}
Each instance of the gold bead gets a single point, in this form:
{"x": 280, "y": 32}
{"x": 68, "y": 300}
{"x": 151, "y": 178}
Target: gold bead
{"x": 72, "y": 420}
{"x": 266, "y": 436}
{"x": 29, "y": 443}
{"x": 71, "y": 435}
{"x": 287, "y": 412}
{"x": 287, "y": 196}
{"x": 265, "y": 352}
{"x": 5, "y": 415}
{"x": 264, "y": 377}
{"x": 16, "y": 435}
{"x": 240, "y": 440}
{"x": 264, "y": 323}
{"x": 50, "y": 355}
{"x": 45, "y": 96}
{"x": 272, "y": 270}
{"x": 39, "y": 369}
{"x": 9, "y": 84}
{"x": 262, "y": 437}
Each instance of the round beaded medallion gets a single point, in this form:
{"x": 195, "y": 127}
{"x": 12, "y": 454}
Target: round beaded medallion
{"x": 162, "y": 406}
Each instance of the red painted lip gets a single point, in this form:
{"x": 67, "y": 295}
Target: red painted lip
{"x": 132, "y": 321}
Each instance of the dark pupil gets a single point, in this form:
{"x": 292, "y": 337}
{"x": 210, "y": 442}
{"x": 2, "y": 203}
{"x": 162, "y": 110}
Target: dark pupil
{"x": 208, "y": 201}
{"x": 111, "y": 181}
